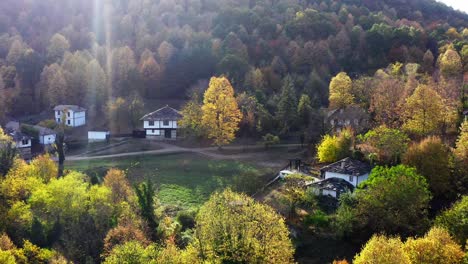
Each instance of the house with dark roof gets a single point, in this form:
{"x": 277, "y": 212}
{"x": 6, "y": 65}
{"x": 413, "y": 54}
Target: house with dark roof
{"x": 71, "y": 115}
{"x": 45, "y": 136}
{"x": 333, "y": 187}
{"x": 350, "y": 170}
{"x": 352, "y": 116}
{"x": 22, "y": 141}
{"x": 162, "y": 123}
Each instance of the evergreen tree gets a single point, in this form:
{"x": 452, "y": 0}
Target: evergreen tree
{"x": 287, "y": 106}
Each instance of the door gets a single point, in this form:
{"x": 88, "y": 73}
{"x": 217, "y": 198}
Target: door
{"x": 167, "y": 133}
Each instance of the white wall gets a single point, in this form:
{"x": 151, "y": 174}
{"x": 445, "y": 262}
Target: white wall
{"x": 19, "y": 144}
{"x": 98, "y": 135}
{"x": 156, "y": 132}
{"x": 159, "y": 124}
{"x": 47, "y": 139}
{"x": 73, "y": 119}
{"x": 355, "y": 181}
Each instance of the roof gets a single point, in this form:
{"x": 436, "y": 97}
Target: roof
{"x": 73, "y": 108}
{"x": 44, "y": 131}
{"x": 348, "y": 166}
{"x": 18, "y": 136}
{"x": 333, "y": 184}
{"x": 165, "y": 113}
{"x": 350, "y": 112}
{"x": 12, "y": 126}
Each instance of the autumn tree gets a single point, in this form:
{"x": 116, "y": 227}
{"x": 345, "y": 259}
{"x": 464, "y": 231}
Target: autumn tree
{"x": 436, "y": 247}
{"x": 54, "y": 85}
{"x": 431, "y": 158}
{"x": 150, "y": 72}
{"x": 74, "y": 69}
{"x": 192, "y": 115}
{"x": 422, "y": 111}
{"x": 117, "y": 114}
{"x": 96, "y": 87}
{"x": 8, "y": 152}
{"x": 450, "y": 63}
{"x": 387, "y": 144}
{"x": 340, "y": 91}
{"x": 334, "y": 148}
{"x": 386, "y": 101}
{"x": 57, "y": 47}
{"x": 145, "y": 193}
{"x": 428, "y": 62}
{"x": 226, "y": 217}
{"x": 221, "y": 114}
{"x": 123, "y": 70}
{"x": 461, "y": 158}
{"x": 381, "y": 249}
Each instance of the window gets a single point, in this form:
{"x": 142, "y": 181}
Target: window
{"x": 165, "y": 122}
{"x": 351, "y": 178}
{"x": 151, "y": 123}
{"x": 58, "y": 113}
{"x": 68, "y": 113}
{"x": 25, "y": 142}
{"x": 58, "y": 120}
{"x": 69, "y": 122}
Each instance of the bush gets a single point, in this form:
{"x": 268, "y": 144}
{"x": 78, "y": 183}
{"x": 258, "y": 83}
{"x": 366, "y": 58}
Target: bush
{"x": 317, "y": 219}
{"x": 186, "y": 219}
{"x": 269, "y": 140}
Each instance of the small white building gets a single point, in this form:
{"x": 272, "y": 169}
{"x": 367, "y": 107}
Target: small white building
{"x": 98, "y": 136}
{"x": 162, "y": 123}
{"x": 46, "y": 136}
{"x": 353, "y": 171}
{"x": 72, "y": 115}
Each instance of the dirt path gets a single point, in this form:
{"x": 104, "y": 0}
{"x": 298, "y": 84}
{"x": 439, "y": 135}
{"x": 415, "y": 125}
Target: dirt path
{"x": 171, "y": 149}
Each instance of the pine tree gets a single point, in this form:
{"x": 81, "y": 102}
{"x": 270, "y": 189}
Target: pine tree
{"x": 287, "y": 106}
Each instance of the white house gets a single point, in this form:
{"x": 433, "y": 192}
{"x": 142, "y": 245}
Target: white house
{"x": 353, "y": 171}
{"x": 97, "y": 136}
{"x": 23, "y": 143}
{"x": 162, "y": 123}
{"x": 72, "y": 115}
{"x": 46, "y": 136}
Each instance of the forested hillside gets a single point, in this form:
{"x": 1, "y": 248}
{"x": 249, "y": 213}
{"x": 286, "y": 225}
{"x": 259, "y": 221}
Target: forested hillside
{"x": 87, "y": 52}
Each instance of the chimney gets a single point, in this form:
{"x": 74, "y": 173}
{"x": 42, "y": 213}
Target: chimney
{"x": 342, "y": 164}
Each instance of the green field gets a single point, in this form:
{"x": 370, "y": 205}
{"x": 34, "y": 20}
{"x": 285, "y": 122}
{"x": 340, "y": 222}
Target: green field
{"x": 183, "y": 180}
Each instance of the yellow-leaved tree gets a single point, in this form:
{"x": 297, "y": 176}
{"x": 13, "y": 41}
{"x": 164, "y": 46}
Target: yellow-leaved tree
{"x": 424, "y": 111}
{"x": 340, "y": 91}
{"x": 221, "y": 114}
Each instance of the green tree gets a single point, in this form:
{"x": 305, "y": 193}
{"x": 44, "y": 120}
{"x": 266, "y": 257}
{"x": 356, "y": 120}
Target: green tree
{"x": 461, "y": 159}
{"x": 386, "y": 143}
{"x": 304, "y": 110}
{"x": 232, "y": 227}
{"x": 221, "y": 114}
{"x": 340, "y": 91}
{"x": 394, "y": 200}
{"x": 145, "y": 193}
{"x": 287, "y": 106}
{"x": 455, "y": 220}
{"x": 135, "y": 109}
